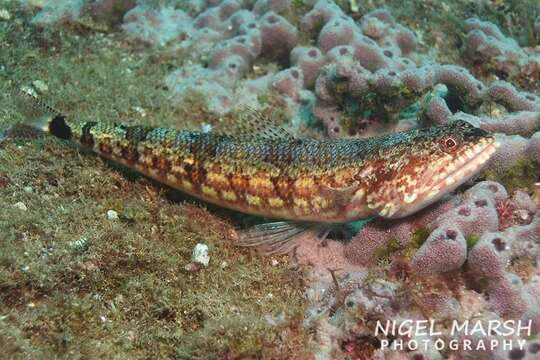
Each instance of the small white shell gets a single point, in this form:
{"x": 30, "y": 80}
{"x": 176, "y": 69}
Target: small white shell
{"x": 112, "y": 215}
{"x": 200, "y": 254}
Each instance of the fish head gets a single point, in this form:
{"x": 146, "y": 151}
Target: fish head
{"x": 429, "y": 163}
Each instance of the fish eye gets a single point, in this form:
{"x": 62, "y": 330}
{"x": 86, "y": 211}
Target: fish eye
{"x": 450, "y": 144}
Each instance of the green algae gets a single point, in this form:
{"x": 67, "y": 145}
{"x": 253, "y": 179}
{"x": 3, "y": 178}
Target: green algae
{"x": 383, "y": 254}
{"x": 76, "y": 284}
{"x": 419, "y": 237}
{"x": 521, "y": 176}
{"x": 472, "y": 240}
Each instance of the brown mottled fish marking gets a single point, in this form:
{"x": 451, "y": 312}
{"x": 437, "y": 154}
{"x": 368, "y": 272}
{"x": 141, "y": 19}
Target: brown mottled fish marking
{"x": 283, "y": 177}
{"x": 200, "y": 171}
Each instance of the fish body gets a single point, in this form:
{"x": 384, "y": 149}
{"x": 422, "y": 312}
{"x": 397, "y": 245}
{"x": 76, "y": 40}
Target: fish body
{"x": 327, "y": 181}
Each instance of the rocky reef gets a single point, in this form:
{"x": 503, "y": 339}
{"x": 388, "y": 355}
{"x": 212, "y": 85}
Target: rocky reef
{"x": 331, "y": 69}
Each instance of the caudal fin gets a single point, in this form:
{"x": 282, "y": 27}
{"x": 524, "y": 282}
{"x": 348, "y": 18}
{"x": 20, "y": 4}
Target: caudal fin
{"x": 41, "y": 116}
{"x": 38, "y": 114}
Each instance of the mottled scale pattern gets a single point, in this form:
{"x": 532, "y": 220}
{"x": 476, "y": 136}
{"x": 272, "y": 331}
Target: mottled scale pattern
{"x": 269, "y": 177}
{"x": 303, "y": 179}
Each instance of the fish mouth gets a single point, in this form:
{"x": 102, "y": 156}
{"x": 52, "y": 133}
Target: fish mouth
{"x": 466, "y": 166}
{"x": 451, "y": 177}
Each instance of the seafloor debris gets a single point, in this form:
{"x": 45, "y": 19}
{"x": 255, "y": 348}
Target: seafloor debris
{"x": 20, "y": 206}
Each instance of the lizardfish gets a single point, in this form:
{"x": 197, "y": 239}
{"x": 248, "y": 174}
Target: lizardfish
{"x": 273, "y": 174}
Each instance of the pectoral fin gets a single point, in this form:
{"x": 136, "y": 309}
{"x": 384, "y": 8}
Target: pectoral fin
{"x": 275, "y": 237}
{"x": 280, "y": 237}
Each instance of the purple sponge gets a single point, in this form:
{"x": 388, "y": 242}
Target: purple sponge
{"x": 462, "y": 80}
{"x": 488, "y": 46}
{"x": 278, "y": 35}
{"x": 321, "y": 13}
{"x": 445, "y": 250}
{"x": 338, "y": 31}
{"x": 309, "y": 60}
{"x": 244, "y": 46}
{"x": 490, "y": 256}
{"x": 263, "y": 6}
{"x": 515, "y": 100}
{"x": 507, "y": 296}
{"x": 369, "y": 54}
{"x": 494, "y": 189}
{"x": 380, "y": 25}
{"x": 474, "y": 216}
{"x": 512, "y": 148}
{"x": 289, "y": 82}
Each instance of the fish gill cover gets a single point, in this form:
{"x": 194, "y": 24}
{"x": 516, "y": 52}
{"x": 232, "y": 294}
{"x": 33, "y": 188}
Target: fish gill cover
{"x": 96, "y": 261}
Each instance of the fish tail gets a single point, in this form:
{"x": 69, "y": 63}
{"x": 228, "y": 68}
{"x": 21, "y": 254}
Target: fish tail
{"x": 39, "y": 115}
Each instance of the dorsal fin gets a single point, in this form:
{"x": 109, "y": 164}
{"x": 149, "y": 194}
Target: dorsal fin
{"x": 254, "y": 124}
